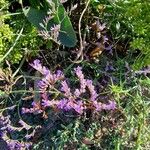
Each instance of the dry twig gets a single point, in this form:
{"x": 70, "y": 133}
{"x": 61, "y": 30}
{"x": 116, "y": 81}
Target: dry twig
{"x": 79, "y": 57}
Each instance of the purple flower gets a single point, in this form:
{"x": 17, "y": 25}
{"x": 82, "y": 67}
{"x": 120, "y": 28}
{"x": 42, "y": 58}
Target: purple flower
{"x": 27, "y": 110}
{"x": 14, "y": 145}
{"x": 77, "y": 93}
{"x": 109, "y": 67}
{"x": 62, "y": 103}
{"x": 80, "y": 75}
{"x": 1, "y": 133}
{"x": 65, "y": 88}
{"x": 104, "y": 82}
{"x": 44, "y": 96}
{"x": 78, "y": 107}
{"x": 82, "y": 85}
{"x": 27, "y": 145}
{"x": 47, "y": 103}
{"x": 55, "y": 31}
{"x": 69, "y": 105}
{"x": 35, "y": 104}
{"x": 69, "y": 100}
{"x": 38, "y": 66}
{"x": 97, "y": 105}
{"x": 78, "y": 72}
{"x": 10, "y": 128}
{"x": 31, "y": 110}
{"x": 43, "y": 85}
{"x": 56, "y": 28}
{"x": 105, "y": 39}
{"x": 110, "y": 106}
{"x": 58, "y": 75}
{"x": 92, "y": 90}
{"x": 45, "y": 71}
{"x": 49, "y": 79}
{"x": 109, "y": 49}
{"x": 28, "y": 136}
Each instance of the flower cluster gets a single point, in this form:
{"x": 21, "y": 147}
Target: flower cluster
{"x": 51, "y": 34}
{"x": 55, "y": 92}
{"x": 6, "y": 128}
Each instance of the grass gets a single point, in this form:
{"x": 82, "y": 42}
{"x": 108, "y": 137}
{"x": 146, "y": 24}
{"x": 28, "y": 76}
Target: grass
{"x": 134, "y": 103}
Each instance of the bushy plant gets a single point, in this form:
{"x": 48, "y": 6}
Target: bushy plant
{"x": 52, "y": 21}
{"x": 57, "y": 96}
{"x": 15, "y": 26}
{"x": 69, "y": 111}
{"x": 103, "y": 105}
{"x": 129, "y": 21}
{"x": 138, "y": 18}
{"x": 63, "y": 97}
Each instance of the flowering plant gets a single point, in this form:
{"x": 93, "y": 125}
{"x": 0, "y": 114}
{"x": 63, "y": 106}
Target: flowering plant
{"x": 52, "y": 22}
{"x": 56, "y": 93}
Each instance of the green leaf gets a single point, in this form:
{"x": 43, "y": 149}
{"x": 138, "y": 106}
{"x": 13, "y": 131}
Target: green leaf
{"x": 35, "y": 16}
{"x": 67, "y": 34}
